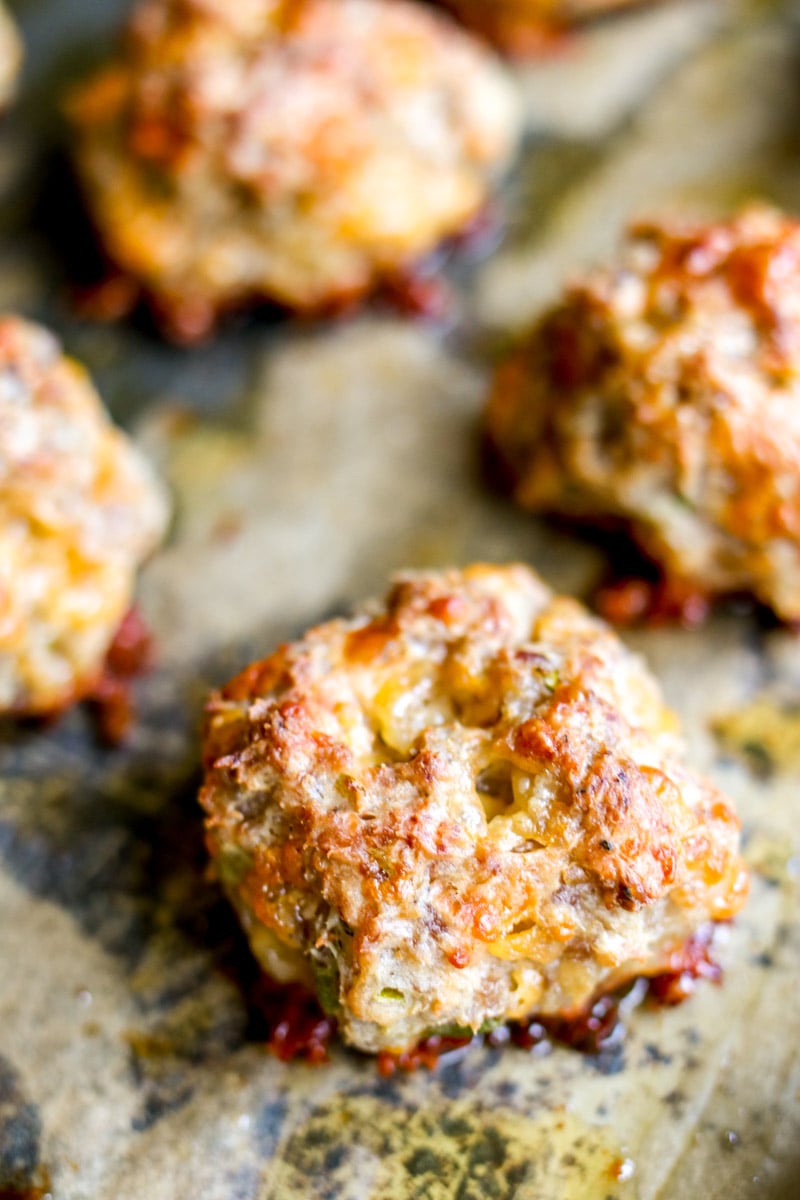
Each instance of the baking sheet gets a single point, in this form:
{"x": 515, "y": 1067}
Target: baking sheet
{"x": 307, "y": 464}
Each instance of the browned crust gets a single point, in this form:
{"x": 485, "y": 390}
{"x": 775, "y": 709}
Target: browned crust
{"x": 277, "y": 154}
{"x": 662, "y": 392}
{"x": 527, "y": 28}
{"x": 339, "y": 813}
{"x": 80, "y": 511}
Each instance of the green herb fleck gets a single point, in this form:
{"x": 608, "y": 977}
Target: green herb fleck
{"x": 390, "y": 993}
{"x": 551, "y": 680}
{"x": 326, "y": 981}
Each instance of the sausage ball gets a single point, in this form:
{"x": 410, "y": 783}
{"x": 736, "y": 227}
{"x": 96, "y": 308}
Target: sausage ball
{"x": 463, "y": 806}
{"x": 79, "y": 511}
{"x": 10, "y": 55}
{"x": 663, "y": 392}
{"x": 524, "y": 26}
{"x": 298, "y": 151}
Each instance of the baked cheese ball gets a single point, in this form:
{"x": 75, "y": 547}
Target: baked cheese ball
{"x": 462, "y": 806}
{"x": 297, "y": 151}
{"x": 79, "y": 511}
{"x": 663, "y": 393}
{"x": 524, "y": 26}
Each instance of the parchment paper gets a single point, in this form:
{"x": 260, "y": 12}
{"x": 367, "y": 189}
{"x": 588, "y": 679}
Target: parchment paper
{"x": 308, "y": 464}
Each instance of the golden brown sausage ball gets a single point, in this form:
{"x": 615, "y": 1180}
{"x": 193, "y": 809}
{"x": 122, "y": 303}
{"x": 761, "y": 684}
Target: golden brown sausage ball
{"x": 79, "y": 511}
{"x": 664, "y": 392}
{"x": 462, "y": 806}
{"x": 293, "y": 150}
{"x": 524, "y": 26}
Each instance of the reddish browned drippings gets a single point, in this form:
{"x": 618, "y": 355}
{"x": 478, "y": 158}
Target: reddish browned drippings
{"x": 692, "y": 962}
{"x": 108, "y": 299}
{"x": 589, "y": 1032}
{"x": 108, "y": 694}
{"x": 131, "y": 651}
{"x": 186, "y": 320}
{"x": 112, "y": 709}
{"x": 521, "y": 34}
{"x": 426, "y": 1054}
{"x": 420, "y": 295}
{"x": 641, "y": 601}
{"x": 294, "y": 1025}
{"x": 130, "y": 654}
{"x": 39, "y": 1189}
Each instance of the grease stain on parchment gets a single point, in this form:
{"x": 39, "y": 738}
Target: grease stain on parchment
{"x": 765, "y": 733}
{"x": 20, "y": 1136}
{"x": 361, "y": 1149}
{"x": 359, "y": 454}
